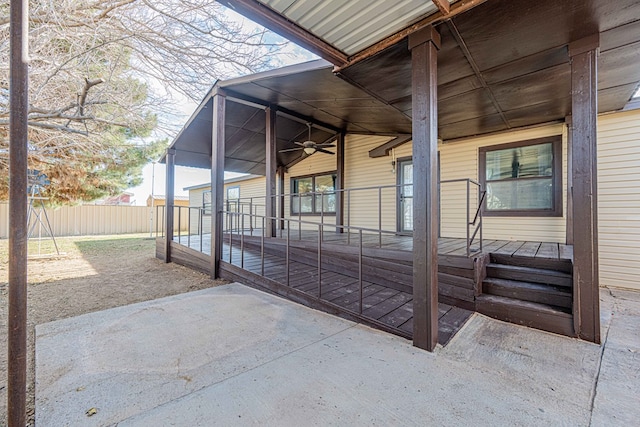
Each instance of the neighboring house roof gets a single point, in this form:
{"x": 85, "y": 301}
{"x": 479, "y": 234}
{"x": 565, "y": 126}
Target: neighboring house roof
{"x": 226, "y": 181}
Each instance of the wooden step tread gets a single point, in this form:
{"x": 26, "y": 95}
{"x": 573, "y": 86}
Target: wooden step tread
{"x": 516, "y": 305}
{"x": 564, "y": 265}
{"x": 527, "y": 291}
{"x": 534, "y": 315}
{"x": 529, "y": 274}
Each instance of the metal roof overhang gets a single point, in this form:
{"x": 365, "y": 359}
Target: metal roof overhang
{"x": 302, "y": 93}
{"x": 504, "y": 64}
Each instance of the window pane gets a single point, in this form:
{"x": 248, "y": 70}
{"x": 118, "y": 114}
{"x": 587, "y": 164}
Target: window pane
{"x": 303, "y": 185}
{"x": 307, "y": 204}
{"x": 206, "y": 202}
{"x": 520, "y": 194}
{"x": 520, "y": 162}
{"x": 233, "y": 193}
{"x": 326, "y": 201}
{"x": 325, "y": 183}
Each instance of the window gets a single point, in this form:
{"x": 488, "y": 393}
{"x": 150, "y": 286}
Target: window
{"x": 303, "y": 202}
{"x": 233, "y": 193}
{"x": 206, "y": 202}
{"x": 523, "y": 178}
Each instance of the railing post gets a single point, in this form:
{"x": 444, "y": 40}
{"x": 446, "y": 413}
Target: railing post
{"x": 200, "y": 224}
{"x": 468, "y": 207}
{"x": 179, "y": 224}
{"x": 480, "y": 217}
{"x": 262, "y": 248}
{"x": 230, "y": 221}
{"x": 360, "y": 270}
{"x": 319, "y": 261}
{"x": 189, "y": 227}
{"x": 287, "y": 254}
{"x": 380, "y": 217}
{"x": 349, "y": 217}
{"x": 322, "y": 212}
{"x": 299, "y": 217}
{"x": 242, "y": 242}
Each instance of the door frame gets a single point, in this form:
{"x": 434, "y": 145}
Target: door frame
{"x": 399, "y": 220}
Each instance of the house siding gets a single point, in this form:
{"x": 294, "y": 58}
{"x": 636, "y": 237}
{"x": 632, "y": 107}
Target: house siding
{"x": 459, "y": 160}
{"x": 619, "y": 199}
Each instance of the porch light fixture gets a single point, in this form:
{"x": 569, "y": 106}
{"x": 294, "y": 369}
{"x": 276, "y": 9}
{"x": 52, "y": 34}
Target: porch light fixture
{"x": 309, "y": 150}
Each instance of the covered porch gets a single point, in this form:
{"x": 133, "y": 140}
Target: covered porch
{"x": 484, "y": 68}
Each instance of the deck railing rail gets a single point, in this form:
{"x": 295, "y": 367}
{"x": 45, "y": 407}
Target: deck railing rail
{"x": 252, "y": 212}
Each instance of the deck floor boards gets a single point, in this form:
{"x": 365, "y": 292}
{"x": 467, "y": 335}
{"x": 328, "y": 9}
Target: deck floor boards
{"x": 380, "y": 303}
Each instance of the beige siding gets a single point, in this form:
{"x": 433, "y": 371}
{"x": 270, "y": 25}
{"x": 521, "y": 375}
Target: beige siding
{"x": 362, "y": 171}
{"x": 92, "y": 220}
{"x": 195, "y": 201}
{"x": 619, "y": 199}
{"x": 317, "y": 163}
{"x": 460, "y": 160}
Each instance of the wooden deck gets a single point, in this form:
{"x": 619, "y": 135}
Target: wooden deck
{"x": 447, "y": 246}
{"x": 382, "y": 302}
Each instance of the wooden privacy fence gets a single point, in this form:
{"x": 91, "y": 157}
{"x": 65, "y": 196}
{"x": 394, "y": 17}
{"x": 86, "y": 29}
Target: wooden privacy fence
{"x": 88, "y": 220}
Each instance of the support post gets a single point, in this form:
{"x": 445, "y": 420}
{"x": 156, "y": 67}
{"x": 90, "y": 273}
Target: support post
{"x": 584, "y": 106}
{"x": 217, "y": 179}
{"x": 569, "y": 222}
{"x": 424, "y": 46}
{"x": 18, "y": 131}
{"x": 340, "y": 182}
{"x": 281, "y": 173}
{"x": 169, "y": 203}
{"x": 271, "y": 166}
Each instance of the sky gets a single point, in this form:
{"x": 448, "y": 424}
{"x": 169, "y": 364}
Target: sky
{"x": 154, "y": 176}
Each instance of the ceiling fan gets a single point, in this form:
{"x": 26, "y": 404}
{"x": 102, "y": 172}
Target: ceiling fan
{"x": 309, "y": 147}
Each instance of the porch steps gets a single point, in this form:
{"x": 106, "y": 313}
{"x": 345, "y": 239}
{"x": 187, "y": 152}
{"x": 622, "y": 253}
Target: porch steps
{"x": 529, "y": 291}
{"x": 529, "y": 274}
{"x": 531, "y": 314}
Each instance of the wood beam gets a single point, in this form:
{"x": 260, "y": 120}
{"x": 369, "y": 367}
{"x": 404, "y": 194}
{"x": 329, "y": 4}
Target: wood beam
{"x": 424, "y": 46}
{"x": 217, "y": 178}
{"x": 584, "y": 111}
{"x": 569, "y": 222}
{"x": 270, "y": 171}
{"x": 340, "y": 182}
{"x": 383, "y": 150}
{"x": 442, "y": 5}
{"x": 169, "y": 202}
{"x": 456, "y": 9}
{"x": 288, "y": 29}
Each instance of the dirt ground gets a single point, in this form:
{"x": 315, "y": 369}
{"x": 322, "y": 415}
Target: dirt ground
{"x": 95, "y": 273}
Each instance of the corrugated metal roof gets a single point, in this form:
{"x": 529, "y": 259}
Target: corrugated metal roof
{"x": 353, "y": 25}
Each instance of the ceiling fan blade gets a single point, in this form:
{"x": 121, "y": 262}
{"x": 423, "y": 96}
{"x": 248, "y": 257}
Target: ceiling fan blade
{"x": 289, "y": 149}
{"x": 299, "y": 143}
{"x": 322, "y": 150}
{"x": 325, "y": 145}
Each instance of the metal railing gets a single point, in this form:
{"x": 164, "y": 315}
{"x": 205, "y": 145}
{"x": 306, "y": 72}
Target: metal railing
{"x": 474, "y": 224}
{"x": 252, "y": 212}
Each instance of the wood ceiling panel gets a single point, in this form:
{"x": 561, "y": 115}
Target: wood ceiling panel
{"x": 615, "y": 98}
{"x": 552, "y": 83}
{"x": 544, "y": 112}
{"x": 475, "y": 126}
{"x": 457, "y": 87}
{"x": 527, "y": 65}
{"x": 469, "y": 105}
{"x": 619, "y": 66}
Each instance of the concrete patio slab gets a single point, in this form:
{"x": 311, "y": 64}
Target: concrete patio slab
{"x": 232, "y": 355}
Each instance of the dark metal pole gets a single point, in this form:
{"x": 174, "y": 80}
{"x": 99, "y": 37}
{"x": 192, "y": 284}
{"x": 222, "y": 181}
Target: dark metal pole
{"x": 19, "y": 109}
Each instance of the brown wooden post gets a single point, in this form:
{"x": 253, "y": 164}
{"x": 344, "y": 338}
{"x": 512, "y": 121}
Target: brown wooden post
{"x": 584, "y": 105}
{"x": 281, "y": 173}
{"x": 424, "y": 46}
{"x": 569, "y": 223}
{"x": 340, "y": 182}
{"x": 271, "y": 166}
{"x": 217, "y": 178}
{"x": 169, "y": 203}
{"x": 18, "y": 135}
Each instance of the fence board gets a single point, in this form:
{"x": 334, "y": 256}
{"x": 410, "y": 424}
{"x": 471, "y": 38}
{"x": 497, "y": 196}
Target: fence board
{"x": 95, "y": 219}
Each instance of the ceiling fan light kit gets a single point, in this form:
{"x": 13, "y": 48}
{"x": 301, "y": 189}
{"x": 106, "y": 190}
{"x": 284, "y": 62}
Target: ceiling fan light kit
{"x": 309, "y": 147}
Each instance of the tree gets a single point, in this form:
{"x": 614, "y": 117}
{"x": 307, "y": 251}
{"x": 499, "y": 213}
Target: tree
{"x": 101, "y": 75}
